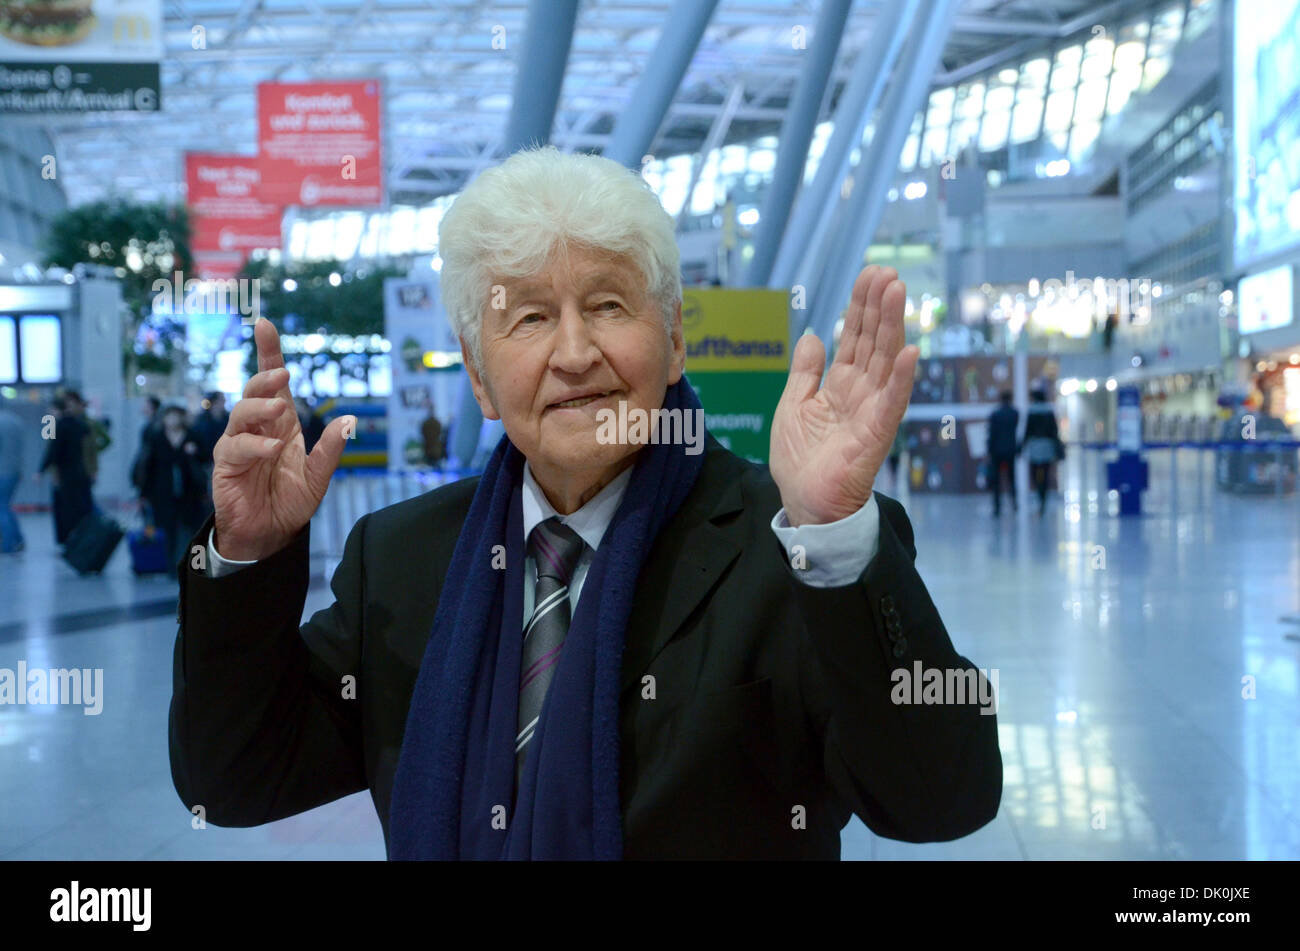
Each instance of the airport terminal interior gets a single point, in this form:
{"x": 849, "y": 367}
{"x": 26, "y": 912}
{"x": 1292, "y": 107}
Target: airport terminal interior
{"x": 1095, "y": 208}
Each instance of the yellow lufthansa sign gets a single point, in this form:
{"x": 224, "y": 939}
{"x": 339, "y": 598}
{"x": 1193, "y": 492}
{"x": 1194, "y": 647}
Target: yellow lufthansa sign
{"x": 735, "y": 330}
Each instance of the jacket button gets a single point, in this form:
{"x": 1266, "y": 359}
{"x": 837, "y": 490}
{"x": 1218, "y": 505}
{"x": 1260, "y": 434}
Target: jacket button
{"x": 887, "y": 604}
{"x": 895, "y": 635}
{"x": 900, "y": 647}
{"x": 893, "y": 622}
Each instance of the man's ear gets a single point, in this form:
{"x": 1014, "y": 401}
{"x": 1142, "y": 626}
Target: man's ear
{"x": 678, "y": 361}
{"x": 476, "y": 381}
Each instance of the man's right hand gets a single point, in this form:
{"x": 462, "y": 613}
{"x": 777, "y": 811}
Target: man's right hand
{"x": 265, "y": 488}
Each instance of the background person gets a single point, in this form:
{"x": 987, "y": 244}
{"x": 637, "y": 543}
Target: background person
{"x": 210, "y": 424}
{"x": 1003, "y": 426}
{"x": 173, "y": 480}
{"x": 312, "y": 425}
{"x": 11, "y": 470}
{"x": 1042, "y": 444}
{"x": 64, "y": 464}
{"x": 96, "y": 438}
{"x": 207, "y": 429}
{"x": 431, "y": 438}
{"x": 895, "y": 455}
{"x": 151, "y": 408}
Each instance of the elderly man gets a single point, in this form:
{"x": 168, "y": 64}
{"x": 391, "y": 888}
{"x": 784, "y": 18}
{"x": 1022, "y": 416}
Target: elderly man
{"x": 599, "y": 648}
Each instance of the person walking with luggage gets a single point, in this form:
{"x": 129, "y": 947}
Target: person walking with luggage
{"x": 96, "y": 438}
{"x": 65, "y": 465}
{"x": 1042, "y": 444}
{"x": 1003, "y": 425}
{"x": 11, "y": 469}
{"x": 173, "y": 481}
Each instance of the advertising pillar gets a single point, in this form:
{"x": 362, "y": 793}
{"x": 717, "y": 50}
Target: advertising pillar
{"x": 427, "y": 371}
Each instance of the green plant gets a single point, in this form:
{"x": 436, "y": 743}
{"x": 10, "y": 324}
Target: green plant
{"x": 142, "y": 243}
{"x": 353, "y": 305}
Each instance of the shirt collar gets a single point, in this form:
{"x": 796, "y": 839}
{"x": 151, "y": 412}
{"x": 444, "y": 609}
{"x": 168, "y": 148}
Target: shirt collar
{"x": 589, "y": 522}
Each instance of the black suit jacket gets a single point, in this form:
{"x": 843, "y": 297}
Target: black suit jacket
{"x": 1003, "y": 424}
{"x": 769, "y": 722}
{"x": 1041, "y": 421}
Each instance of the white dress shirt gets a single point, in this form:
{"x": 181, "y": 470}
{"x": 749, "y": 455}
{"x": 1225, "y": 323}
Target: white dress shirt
{"x": 832, "y": 554}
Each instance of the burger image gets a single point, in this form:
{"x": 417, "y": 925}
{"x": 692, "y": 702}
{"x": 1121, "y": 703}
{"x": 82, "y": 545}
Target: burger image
{"x": 46, "y": 22}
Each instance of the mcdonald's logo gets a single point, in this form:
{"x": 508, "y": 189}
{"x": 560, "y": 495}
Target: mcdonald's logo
{"x": 130, "y": 26}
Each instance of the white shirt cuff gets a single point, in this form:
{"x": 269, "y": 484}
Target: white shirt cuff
{"x": 218, "y": 566}
{"x": 832, "y": 554}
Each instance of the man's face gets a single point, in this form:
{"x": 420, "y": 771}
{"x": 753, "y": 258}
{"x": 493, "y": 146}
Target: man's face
{"x": 578, "y": 337}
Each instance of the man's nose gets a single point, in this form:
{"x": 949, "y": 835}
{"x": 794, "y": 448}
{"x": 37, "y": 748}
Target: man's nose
{"x": 575, "y": 350}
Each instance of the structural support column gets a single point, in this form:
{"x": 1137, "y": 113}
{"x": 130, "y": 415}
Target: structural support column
{"x": 717, "y": 132}
{"x": 542, "y": 62}
{"x": 548, "y": 37}
{"x": 879, "y": 164}
{"x": 818, "y": 201}
{"x": 796, "y": 134}
{"x": 634, "y": 132}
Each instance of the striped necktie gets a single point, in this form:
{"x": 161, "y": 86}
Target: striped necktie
{"x": 555, "y": 549}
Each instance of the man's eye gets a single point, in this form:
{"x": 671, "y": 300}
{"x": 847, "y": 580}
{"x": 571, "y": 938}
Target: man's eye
{"x": 529, "y": 318}
{"x": 608, "y": 305}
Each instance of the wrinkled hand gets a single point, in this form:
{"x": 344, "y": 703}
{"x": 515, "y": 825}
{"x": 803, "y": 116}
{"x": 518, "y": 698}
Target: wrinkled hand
{"x": 829, "y": 443}
{"x": 265, "y": 487}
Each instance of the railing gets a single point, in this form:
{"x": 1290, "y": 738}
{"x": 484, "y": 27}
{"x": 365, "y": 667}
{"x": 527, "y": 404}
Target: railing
{"x": 1178, "y": 480}
{"x": 354, "y": 493}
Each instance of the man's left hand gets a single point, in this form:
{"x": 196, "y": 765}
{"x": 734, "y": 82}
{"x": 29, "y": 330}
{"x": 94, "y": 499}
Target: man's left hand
{"x": 828, "y": 443}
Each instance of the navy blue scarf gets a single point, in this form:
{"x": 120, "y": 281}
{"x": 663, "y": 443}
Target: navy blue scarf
{"x": 452, "y": 792}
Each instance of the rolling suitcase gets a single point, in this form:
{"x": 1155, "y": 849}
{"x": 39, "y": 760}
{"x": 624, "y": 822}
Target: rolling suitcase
{"x": 92, "y": 542}
{"x": 148, "y": 547}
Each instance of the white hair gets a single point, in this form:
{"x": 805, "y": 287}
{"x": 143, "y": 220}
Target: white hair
{"x": 509, "y": 220}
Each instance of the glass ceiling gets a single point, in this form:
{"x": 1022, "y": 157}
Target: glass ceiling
{"x": 1056, "y": 97}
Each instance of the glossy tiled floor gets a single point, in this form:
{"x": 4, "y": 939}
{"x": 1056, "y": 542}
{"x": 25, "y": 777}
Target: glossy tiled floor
{"x": 1125, "y": 733}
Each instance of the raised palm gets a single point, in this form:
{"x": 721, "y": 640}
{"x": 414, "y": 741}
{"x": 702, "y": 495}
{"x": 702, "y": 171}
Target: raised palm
{"x": 830, "y": 439}
{"x": 265, "y": 487}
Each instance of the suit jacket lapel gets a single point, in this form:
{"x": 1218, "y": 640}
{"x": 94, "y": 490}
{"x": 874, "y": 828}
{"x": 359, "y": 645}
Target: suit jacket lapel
{"x": 684, "y": 563}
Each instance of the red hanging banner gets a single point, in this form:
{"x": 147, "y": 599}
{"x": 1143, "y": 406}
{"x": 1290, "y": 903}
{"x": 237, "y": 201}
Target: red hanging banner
{"x": 225, "y": 213}
{"x": 319, "y": 143}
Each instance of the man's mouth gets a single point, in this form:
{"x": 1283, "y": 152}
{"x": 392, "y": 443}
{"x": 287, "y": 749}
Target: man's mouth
{"x": 580, "y": 400}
